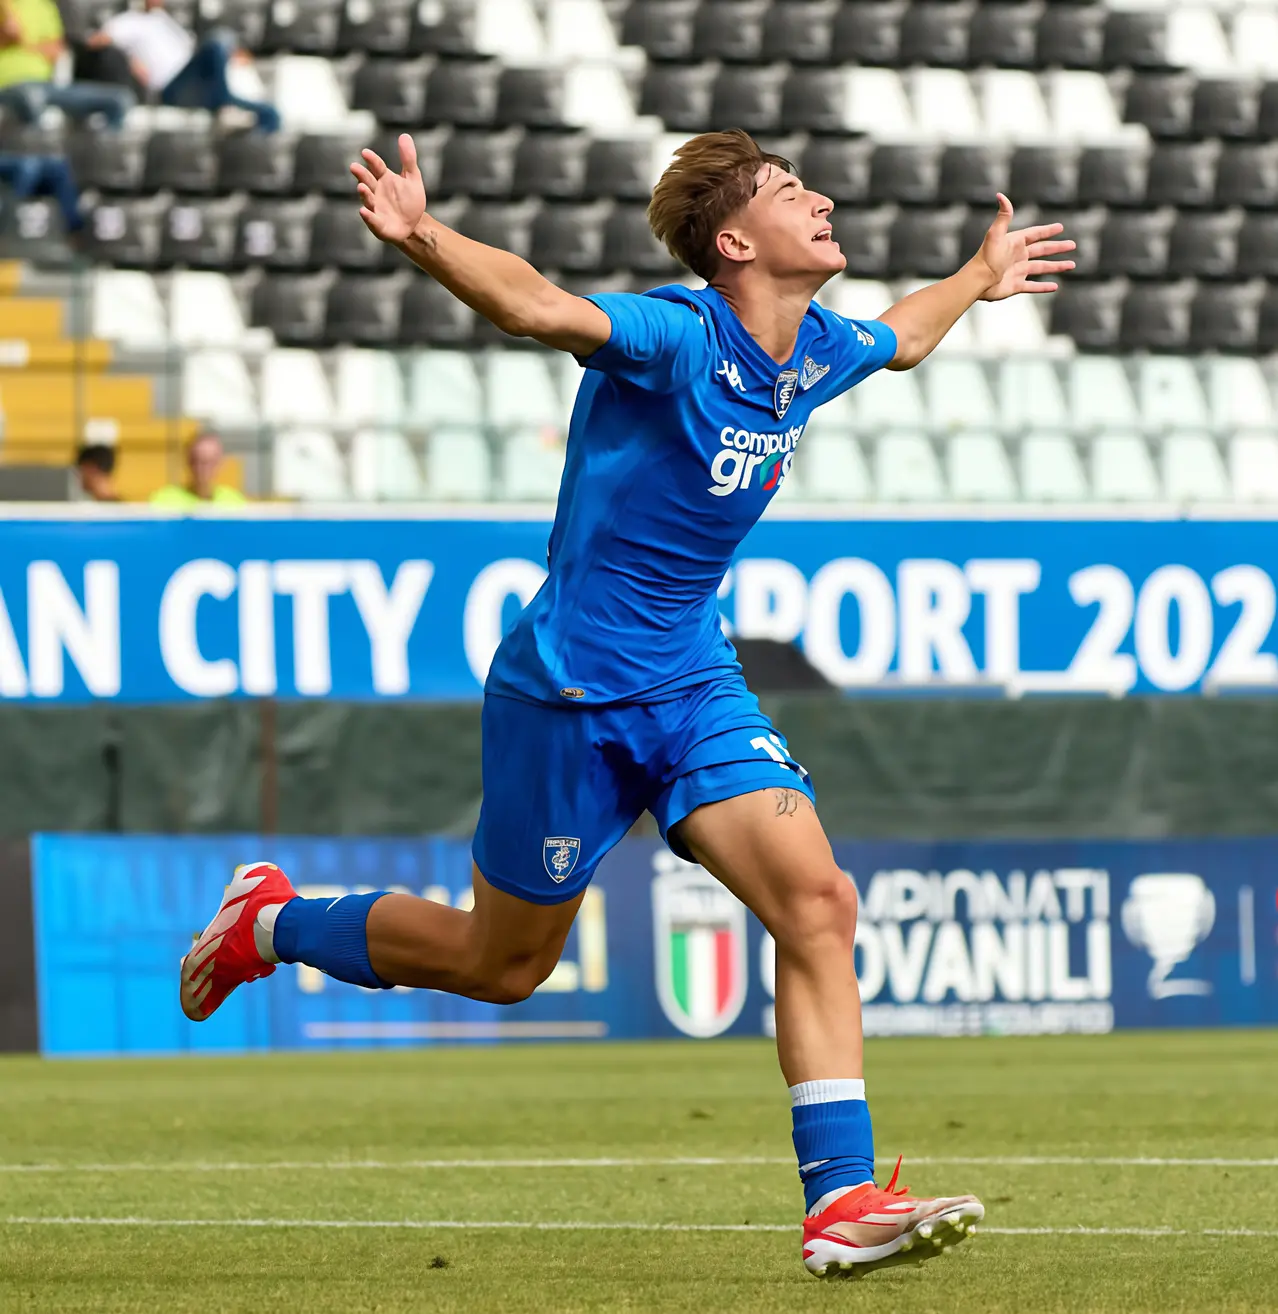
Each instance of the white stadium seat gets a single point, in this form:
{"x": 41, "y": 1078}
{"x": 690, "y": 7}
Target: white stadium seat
{"x": 979, "y": 469}
{"x": 1030, "y": 396}
{"x": 1196, "y": 40}
{"x": 1050, "y": 468}
{"x": 532, "y": 466}
{"x": 309, "y": 96}
{"x": 205, "y": 312}
{"x": 1253, "y": 467}
{"x": 309, "y": 466}
{"x": 1254, "y": 41}
{"x": 1192, "y": 469}
{"x": 384, "y": 467}
{"x": 458, "y": 465}
{"x": 906, "y": 469}
{"x": 1171, "y": 396}
{"x": 370, "y": 388}
{"x": 445, "y": 389}
{"x": 126, "y": 308}
{"x": 1122, "y": 470}
{"x": 830, "y": 467}
{"x": 294, "y": 387}
{"x": 519, "y": 390}
{"x": 1082, "y": 109}
{"x": 509, "y": 29}
{"x": 874, "y": 102}
{"x": 944, "y": 107}
{"x": 1100, "y": 395}
{"x": 1014, "y": 325}
{"x": 958, "y": 394}
{"x": 857, "y": 298}
{"x": 579, "y": 29}
{"x": 216, "y": 386}
{"x": 1012, "y": 106}
{"x": 888, "y": 399}
{"x": 596, "y": 96}
{"x": 1238, "y": 394}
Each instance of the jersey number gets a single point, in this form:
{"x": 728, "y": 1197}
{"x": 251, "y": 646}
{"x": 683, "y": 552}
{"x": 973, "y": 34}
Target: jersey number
{"x": 777, "y": 751}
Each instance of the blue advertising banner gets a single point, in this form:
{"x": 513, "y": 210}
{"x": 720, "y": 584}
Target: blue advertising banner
{"x": 954, "y": 939}
{"x": 151, "y": 609}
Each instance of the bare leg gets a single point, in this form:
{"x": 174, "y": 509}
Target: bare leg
{"x": 769, "y": 849}
{"x": 499, "y": 952}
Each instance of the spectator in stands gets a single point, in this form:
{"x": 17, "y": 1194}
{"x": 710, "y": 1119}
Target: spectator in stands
{"x": 31, "y": 43}
{"x": 43, "y": 175}
{"x": 166, "y": 59}
{"x": 203, "y": 460}
{"x": 95, "y": 467}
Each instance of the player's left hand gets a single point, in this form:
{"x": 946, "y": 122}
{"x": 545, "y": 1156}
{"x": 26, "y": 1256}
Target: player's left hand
{"x": 1013, "y": 258}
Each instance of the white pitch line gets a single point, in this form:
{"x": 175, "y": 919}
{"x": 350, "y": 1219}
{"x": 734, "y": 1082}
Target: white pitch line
{"x": 417, "y": 1165}
{"x": 459, "y": 1224}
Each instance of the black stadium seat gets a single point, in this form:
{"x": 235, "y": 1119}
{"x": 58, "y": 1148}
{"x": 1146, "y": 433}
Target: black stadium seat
{"x": 619, "y": 168}
{"x": 126, "y": 231}
{"x": 1156, "y": 317}
{"x": 1136, "y": 39}
{"x": 1267, "y": 115}
{"x": 257, "y": 162}
{"x": 292, "y": 306}
{"x": 302, "y": 27}
{"x": 181, "y": 162}
{"x": 1247, "y": 175}
{"x": 1258, "y": 247}
{"x": 108, "y": 161}
{"x": 480, "y": 164}
{"x": 935, "y": 32}
{"x": 506, "y": 225}
{"x": 1204, "y": 244}
{"x": 570, "y": 237}
{"x": 925, "y": 243}
{"x": 340, "y": 237}
{"x": 812, "y": 100}
{"x": 274, "y": 234}
{"x": 1071, "y": 36}
{"x": 533, "y": 97}
{"x": 1183, "y": 173}
{"x": 381, "y": 27}
{"x": 246, "y": 18}
{"x": 393, "y": 89}
{"x": 1004, "y": 36}
{"x": 664, "y": 28}
{"x": 1085, "y": 227}
{"x": 1267, "y": 321}
{"x": 909, "y": 175}
{"x": 839, "y": 167}
{"x": 462, "y": 92}
{"x": 1136, "y": 243}
{"x": 429, "y": 315}
{"x": 731, "y": 30}
{"x": 749, "y": 98}
{"x": 800, "y": 31}
{"x": 679, "y": 94}
{"x": 1226, "y": 107}
{"x": 863, "y": 236}
{"x": 323, "y": 162}
{"x": 629, "y": 243}
{"x": 551, "y": 164}
{"x": 200, "y": 233}
{"x": 972, "y": 175}
{"x": 1225, "y": 317}
{"x": 1047, "y": 174}
{"x": 867, "y": 34}
{"x": 443, "y": 27}
{"x": 1088, "y": 313}
{"x": 1163, "y": 102}
{"x": 1113, "y": 175}
{"x": 364, "y": 310}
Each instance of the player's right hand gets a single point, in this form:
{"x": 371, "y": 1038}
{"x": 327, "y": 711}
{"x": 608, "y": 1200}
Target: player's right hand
{"x": 392, "y": 203}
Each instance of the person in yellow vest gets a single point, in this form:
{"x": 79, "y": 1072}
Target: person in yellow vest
{"x": 203, "y": 460}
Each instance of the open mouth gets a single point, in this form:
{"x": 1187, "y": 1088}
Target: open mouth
{"x": 825, "y": 235}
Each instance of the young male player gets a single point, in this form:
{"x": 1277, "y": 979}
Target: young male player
{"x": 616, "y": 690}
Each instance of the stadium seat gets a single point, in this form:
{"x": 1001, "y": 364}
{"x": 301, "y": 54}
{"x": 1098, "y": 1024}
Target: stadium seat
{"x": 1050, "y": 468}
{"x": 1162, "y": 102}
{"x": 125, "y": 307}
{"x": 1183, "y": 173}
{"x": 395, "y": 90}
{"x": 380, "y": 28}
{"x": 509, "y": 226}
{"x": 1089, "y": 314}
{"x": 549, "y": 164}
{"x": 568, "y": 379}
{"x": 443, "y": 29}
{"x": 509, "y": 29}
{"x": 1192, "y": 469}
{"x": 1122, "y": 470}
{"x": 1046, "y": 175}
{"x": 323, "y": 162}
{"x": 945, "y": 107}
{"x": 216, "y": 387}
{"x": 384, "y": 467}
{"x": 1100, "y": 394}
{"x": 1255, "y": 41}
{"x": 1133, "y": 39}
{"x": 308, "y": 465}
{"x": 906, "y": 469}
{"x": 1030, "y": 396}
{"x": 596, "y": 96}
{"x": 730, "y": 30}
{"x": 958, "y": 395}
{"x": 205, "y": 312}
{"x": 662, "y": 28}
{"x": 310, "y": 28}
{"x": 1247, "y": 175}
{"x": 458, "y": 465}
{"x": 1253, "y": 467}
{"x": 481, "y": 164}
{"x": 274, "y": 235}
{"x": 1267, "y": 320}
{"x": 925, "y": 242}
{"x": 1136, "y": 243}
{"x": 812, "y": 100}
{"x": 579, "y": 30}
{"x": 839, "y": 167}
{"x": 907, "y": 174}
{"x": 110, "y": 162}
{"x": 1170, "y": 394}
{"x": 520, "y": 391}
{"x": 1003, "y": 36}
{"x": 246, "y": 18}
{"x": 749, "y": 97}
{"x": 831, "y": 466}
{"x": 1113, "y": 175}
{"x": 629, "y": 243}
{"x": 1012, "y": 106}
{"x": 1196, "y": 40}
{"x": 292, "y": 307}
{"x": 126, "y": 231}
{"x": 429, "y": 315}
{"x": 857, "y": 298}
{"x": 364, "y": 309}
{"x": 369, "y": 388}
{"x": 935, "y": 34}
{"x": 979, "y": 470}
{"x": 1225, "y": 317}
{"x": 800, "y": 31}
{"x": 532, "y": 97}
{"x": 864, "y": 237}
{"x": 256, "y": 162}
{"x": 619, "y": 168}
{"x": 570, "y": 236}
{"x": 1204, "y": 245}
{"x": 876, "y": 104}
{"x": 1082, "y": 109}
{"x": 972, "y": 175}
{"x": 679, "y": 94}
{"x": 1072, "y": 36}
{"x": 532, "y": 464}
{"x": 1258, "y": 247}
{"x": 867, "y": 34}
{"x": 1156, "y": 318}
{"x": 1003, "y": 327}
{"x": 444, "y": 389}
{"x": 462, "y": 92}
{"x": 888, "y": 400}
{"x": 1238, "y": 395}
{"x": 294, "y": 388}
{"x": 200, "y": 233}
{"x": 308, "y": 95}
{"x": 1226, "y": 107}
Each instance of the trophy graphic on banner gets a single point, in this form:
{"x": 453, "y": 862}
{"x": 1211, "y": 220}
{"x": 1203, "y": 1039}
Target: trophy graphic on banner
{"x": 1167, "y": 914}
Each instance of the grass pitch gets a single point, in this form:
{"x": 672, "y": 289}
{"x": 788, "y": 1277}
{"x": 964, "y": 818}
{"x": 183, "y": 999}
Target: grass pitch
{"x": 356, "y": 1138}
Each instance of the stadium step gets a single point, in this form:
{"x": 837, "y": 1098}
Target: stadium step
{"x": 87, "y": 354}
{"x": 50, "y": 440}
{"x": 38, "y": 394}
{"x": 30, "y": 317}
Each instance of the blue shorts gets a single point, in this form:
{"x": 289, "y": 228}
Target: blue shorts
{"x": 563, "y": 784}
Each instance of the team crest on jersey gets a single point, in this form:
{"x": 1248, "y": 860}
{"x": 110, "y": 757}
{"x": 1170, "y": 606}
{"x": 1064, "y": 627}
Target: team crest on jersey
{"x": 559, "y": 854}
{"x": 812, "y": 373}
{"x": 700, "y": 949}
{"x": 783, "y": 393}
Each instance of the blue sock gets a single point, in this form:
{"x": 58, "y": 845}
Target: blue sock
{"x": 832, "y": 1136}
{"x": 329, "y": 934}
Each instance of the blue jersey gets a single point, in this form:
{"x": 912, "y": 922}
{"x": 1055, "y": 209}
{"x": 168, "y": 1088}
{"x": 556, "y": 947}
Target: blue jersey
{"x": 683, "y": 431}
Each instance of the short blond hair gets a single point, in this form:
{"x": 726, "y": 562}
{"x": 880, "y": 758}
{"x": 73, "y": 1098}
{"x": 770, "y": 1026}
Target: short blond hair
{"x": 711, "y": 177}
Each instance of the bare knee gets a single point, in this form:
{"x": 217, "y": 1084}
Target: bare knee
{"x": 819, "y": 912}
{"x": 512, "y": 980}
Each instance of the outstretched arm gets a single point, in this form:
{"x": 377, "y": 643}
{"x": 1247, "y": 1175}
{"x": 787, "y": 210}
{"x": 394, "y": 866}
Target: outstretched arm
{"x": 501, "y": 287}
{"x": 1001, "y": 268}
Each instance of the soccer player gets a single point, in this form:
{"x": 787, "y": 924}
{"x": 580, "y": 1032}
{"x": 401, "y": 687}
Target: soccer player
{"x": 616, "y": 690}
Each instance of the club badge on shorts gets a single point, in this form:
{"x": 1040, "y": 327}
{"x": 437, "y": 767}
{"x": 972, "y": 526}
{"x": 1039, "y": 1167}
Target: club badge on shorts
{"x": 559, "y": 854}
{"x": 783, "y": 393}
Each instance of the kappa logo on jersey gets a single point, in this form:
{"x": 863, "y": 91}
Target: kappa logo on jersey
{"x": 700, "y": 946}
{"x": 559, "y": 856}
{"x": 742, "y": 452}
{"x": 783, "y": 393}
{"x": 812, "y": 373}
{"x": 732, "y": 374}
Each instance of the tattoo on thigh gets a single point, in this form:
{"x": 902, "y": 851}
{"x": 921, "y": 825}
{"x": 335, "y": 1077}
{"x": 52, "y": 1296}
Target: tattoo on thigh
{"x": 788, "y": 801}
